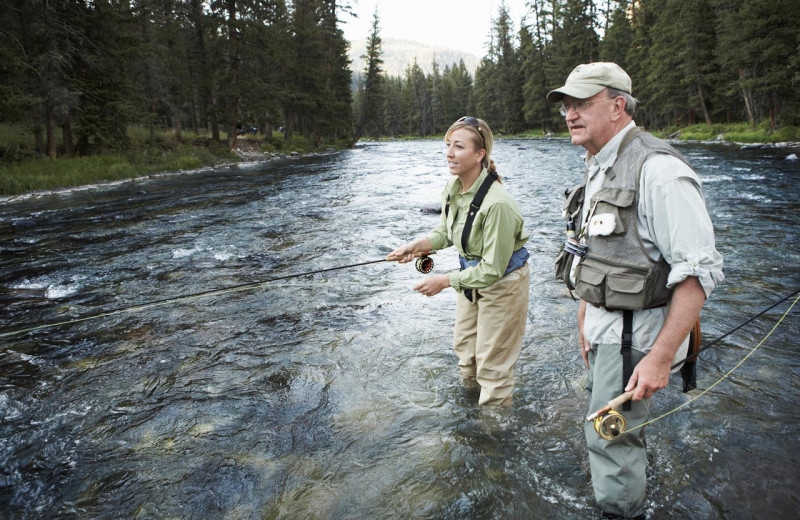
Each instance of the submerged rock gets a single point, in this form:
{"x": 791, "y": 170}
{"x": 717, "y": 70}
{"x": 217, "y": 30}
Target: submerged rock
{"x": 433, "y": 208}
{"x": 791, "y": 158}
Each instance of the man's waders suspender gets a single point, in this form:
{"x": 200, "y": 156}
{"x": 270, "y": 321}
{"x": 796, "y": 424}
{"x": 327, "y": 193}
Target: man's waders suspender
{"x": 627, "y": 343}
{"x": 474, "y": 206}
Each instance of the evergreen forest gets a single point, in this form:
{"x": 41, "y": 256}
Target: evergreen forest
{"x": 691, "y": 61}
{"x": 79, "y": 73}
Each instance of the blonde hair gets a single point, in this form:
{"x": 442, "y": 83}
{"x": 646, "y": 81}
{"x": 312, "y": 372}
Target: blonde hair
{"x": 482, "y": 138}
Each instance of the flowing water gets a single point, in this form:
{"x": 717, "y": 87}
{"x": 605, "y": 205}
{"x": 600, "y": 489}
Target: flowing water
{"x": 336, "y": 395}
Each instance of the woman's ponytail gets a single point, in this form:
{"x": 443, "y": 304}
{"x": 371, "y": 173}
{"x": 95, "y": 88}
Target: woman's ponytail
{"x": 493, "y": 169}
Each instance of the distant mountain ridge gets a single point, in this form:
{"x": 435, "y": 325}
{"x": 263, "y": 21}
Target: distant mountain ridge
{"x": 398, "y": 54}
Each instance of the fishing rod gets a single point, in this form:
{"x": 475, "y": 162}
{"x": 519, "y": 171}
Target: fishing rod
{"x": 610, "y": 424}
{"x": 423, "y": 264}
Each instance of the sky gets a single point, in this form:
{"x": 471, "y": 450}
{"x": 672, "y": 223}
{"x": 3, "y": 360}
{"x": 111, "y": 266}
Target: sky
{"x": 461, "y": 25}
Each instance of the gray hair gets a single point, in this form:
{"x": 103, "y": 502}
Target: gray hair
{"x": 630, "y": 101}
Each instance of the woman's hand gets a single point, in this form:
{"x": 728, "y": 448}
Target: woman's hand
{"x": 403, "y": 254}
{"x": 410, "y": 251}
{"x": 433, "y": 285}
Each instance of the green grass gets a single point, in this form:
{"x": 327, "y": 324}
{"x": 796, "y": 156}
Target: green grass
{"x": 22, "y": 170}
{"x": 44, "y": 174}
{"x": 277, "y": 143}
{"x": 735, "y": 132}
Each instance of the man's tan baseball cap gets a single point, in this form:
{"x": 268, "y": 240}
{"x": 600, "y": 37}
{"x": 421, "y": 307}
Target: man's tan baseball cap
{"x": 588, "y": 79}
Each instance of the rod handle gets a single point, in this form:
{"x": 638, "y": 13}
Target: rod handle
{"x": 416, "y": 255}
{"x": 620, "y": 400}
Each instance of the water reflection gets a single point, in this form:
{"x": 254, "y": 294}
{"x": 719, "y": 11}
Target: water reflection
{"x": 337, "y": 395}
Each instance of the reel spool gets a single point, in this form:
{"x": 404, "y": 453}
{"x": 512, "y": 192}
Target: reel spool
{"x": 424, "y": 264}
{"x": 610, "y": 425}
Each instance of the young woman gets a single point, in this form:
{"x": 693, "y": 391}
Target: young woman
{"x": 492, "y": 305}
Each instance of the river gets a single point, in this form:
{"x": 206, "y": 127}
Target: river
{"x": 336, "y": 395}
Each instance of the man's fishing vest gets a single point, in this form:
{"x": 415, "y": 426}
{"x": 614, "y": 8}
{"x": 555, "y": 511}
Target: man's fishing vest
{"x": 616, "y": 272}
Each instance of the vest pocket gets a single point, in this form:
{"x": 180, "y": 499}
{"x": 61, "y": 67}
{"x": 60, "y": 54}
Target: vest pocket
{"x": 589, "y": 284}
{"x": 563, "y": 263}
{"x": 609, "y": 203}
{"x": 624, "y": 292}
{"x": 611, "y": 284}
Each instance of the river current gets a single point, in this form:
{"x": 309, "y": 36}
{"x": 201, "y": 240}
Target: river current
{"x": 336, "y": 395}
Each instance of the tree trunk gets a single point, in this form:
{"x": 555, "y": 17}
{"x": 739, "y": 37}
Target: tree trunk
{"x": 232, "y": 136}
{"x": 38, "y": 136}
{"x": 233, "y": 68}
{"x": 772, "y": 112}
{"x": 176, "y": 123}
{"x": 51, "y": 134}
{"x": 703, "y": 107}
{"x": 748, "y": 100}
{"x": 66, "y": 131}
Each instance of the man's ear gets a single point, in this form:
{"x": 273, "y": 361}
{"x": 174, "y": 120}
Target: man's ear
{"x": 619, "y": 108}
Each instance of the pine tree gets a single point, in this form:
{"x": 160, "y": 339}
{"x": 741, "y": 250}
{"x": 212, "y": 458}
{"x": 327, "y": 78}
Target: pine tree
{"x": 574, "y": 37}
{"x": 680, "y": 61}
{"x": 618, "y": 36}
{"x": 757, "y": 39}
{"x": 435, "y": 96}
{"x": 393, "y": 107}
{"x": 456, "y": 93}
{"x": 370, "y": 120}
{"x": 509, "y": 78}
{"x": 335, "y": 118}
{"x": 418, "y": 95}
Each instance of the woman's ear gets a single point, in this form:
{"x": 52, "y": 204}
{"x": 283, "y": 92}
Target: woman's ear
{"x": 481, "y": 155}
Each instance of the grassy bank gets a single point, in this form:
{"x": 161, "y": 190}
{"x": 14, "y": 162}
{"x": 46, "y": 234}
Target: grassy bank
{"x": 21, "y": 171}
{"x": 733, "y": 132}
{"x": 45, "y": 174}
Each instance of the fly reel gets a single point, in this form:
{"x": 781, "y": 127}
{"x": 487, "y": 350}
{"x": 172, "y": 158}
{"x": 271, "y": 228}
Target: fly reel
{"x": 424, "y": 264}
{"x": 609, "y": 425}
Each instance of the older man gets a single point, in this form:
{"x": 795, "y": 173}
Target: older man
{"x": 645, "y": 263}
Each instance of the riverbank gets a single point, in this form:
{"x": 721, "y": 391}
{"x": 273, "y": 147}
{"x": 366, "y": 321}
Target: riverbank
{"x": 42, "y": 176}
{"x": 37, "y": 177}
{"x": 735, "y": 134}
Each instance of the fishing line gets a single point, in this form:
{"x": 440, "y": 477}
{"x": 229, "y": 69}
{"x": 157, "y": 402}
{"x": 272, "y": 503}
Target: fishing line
{"x": 712, "y": 343}
{"x": 188, "y": 297}
{"x": 698, "y": 396}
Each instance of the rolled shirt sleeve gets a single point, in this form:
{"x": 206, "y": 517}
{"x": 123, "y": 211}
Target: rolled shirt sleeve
{"x": 673, "y": 213}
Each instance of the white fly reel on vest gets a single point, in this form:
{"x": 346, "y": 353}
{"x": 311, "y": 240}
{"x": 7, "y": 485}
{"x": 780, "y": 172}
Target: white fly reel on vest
{"x": 608, "y": 422}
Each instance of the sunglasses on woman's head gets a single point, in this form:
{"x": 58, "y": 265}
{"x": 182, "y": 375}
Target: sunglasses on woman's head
{"x": 473, "y": 121}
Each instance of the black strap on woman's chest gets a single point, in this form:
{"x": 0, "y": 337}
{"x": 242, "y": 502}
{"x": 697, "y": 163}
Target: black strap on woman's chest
{"x": 474, "y": 206}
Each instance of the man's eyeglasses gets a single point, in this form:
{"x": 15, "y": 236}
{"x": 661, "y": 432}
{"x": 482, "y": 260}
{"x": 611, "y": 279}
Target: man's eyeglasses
{"x": 473, "y": 122}
{"x": 578, "y": 107}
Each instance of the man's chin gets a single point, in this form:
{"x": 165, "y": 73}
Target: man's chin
{"x": 576, "y": 137}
